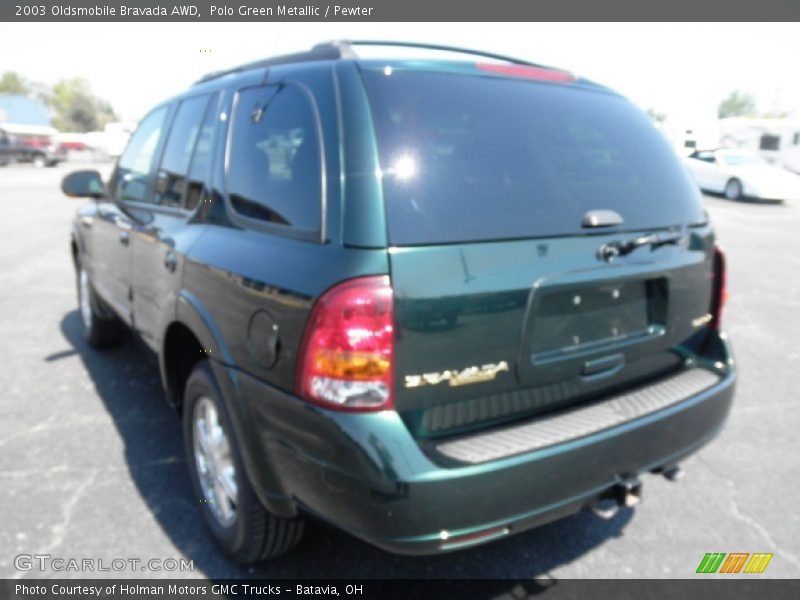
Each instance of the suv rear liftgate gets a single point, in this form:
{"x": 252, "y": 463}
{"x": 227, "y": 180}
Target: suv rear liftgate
{"x": 547, "y": 250}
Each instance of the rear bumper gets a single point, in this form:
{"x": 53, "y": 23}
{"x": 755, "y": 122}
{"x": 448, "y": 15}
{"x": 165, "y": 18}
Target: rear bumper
{"x": 366, "y": 474}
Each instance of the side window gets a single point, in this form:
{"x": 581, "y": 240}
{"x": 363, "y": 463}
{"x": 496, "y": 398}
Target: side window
{"x": 183, "y": 134}
{"x": 201, "y": 160}
{"x": 770, "y": 142}
{"x": 137, "y": 160}
{"x": 274, "y": 173}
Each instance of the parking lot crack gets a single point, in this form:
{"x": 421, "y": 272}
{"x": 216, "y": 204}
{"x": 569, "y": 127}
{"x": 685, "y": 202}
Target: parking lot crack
{"x": 34, "y": 429}
{"x": 741, "y": 516}
{"x": 70, "y": 506}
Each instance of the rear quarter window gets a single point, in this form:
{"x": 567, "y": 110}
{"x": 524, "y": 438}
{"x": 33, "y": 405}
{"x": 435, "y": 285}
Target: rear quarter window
{"x": 472, "y": 158}
{"x": 274, "y": 169}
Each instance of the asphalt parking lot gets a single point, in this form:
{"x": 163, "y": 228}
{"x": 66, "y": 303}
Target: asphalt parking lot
{"x": 91, "y": 461}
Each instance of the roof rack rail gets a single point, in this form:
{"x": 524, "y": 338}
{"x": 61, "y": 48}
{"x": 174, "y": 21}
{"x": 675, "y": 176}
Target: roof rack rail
{"x": 438, "y": 47}
{"x": 318, "y": 52}
{"x": 343, "y": 49}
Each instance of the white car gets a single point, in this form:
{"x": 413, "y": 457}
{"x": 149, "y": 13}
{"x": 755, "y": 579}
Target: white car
{"x": 738, "y": 174}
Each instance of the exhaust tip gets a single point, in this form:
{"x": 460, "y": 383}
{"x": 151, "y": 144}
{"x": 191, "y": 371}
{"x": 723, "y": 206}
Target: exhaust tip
{"x": 605, "y": 508}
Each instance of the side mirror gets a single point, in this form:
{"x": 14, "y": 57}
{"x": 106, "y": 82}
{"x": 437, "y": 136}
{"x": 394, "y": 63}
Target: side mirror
{"x": 83, "y": 184}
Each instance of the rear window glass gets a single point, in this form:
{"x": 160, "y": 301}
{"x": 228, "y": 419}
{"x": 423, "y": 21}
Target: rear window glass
{"x": 470, "y": 158}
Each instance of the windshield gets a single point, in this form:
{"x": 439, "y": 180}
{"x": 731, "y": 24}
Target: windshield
{"x": 735, "y": 160}
{"x": 471, "y": 158}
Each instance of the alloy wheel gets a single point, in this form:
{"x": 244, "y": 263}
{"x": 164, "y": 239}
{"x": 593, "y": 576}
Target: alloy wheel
{"x": 84, "y": 299}
{"x": 733, "y": 190}
{"x": 214, "y": 462}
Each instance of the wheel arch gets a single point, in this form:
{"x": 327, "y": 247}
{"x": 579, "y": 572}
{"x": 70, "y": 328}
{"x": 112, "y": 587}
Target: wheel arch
{"x": 74, "y": 251}
{"x": 77, "y": 244}
{"x": 181, "y": 351}
{"x": 193, "y": 336}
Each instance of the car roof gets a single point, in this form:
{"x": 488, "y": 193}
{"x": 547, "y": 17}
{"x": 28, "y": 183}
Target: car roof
{"x": 487, "y": 63}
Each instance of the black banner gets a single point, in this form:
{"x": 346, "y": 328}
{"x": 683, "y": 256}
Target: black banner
{"x": 398, "y": 10}
{"x": 417, "y": 589}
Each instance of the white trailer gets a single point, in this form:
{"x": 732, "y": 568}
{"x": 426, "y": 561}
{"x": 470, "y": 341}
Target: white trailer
{"x": 777, "y": 140}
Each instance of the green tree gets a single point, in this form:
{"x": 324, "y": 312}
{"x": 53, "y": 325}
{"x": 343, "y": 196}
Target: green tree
{"x": 77, "y": 109}
{"x": 658, "y": 117}
{"x": 11, "y": 83}
{"x": 737, "y": 104}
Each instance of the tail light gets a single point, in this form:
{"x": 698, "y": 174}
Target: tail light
{"x": 720, "y": 290}
{"x": 348, "y": 346}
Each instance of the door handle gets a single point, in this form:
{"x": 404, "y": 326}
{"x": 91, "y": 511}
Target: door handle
{"x": 124, "y": 228}
{"x": 170, "y": 261}
{"x": 603, "y": 367}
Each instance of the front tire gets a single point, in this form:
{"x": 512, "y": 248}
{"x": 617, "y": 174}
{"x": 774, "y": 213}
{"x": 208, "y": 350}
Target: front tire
{"x": 39, "y": 161}
{"x": 99, "y": 330}
{"x": 239, "y": 523}
{"x": 733, "y": 189}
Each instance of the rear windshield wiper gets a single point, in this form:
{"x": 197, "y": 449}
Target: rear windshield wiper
{"x": 654, "y": 240}
{"x": 611, "y": 250}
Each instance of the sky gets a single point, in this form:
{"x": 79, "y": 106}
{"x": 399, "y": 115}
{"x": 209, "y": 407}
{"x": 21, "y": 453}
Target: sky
{"x": 680, "y": 69}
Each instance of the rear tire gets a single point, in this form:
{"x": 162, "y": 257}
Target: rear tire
{"x": 39, "y": 161}
{"x": 733, "y": 189}
{"x": 245, "y": 530}
{"x": 99, "y": 330}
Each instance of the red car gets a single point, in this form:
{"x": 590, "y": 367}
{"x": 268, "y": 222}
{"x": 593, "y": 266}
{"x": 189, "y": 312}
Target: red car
{"x": 39, "y": 149}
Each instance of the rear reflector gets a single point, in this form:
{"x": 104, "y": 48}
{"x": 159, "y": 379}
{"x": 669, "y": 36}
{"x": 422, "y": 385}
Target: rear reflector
{"x": 348, "y": 346}
{"x": 455, "y": 542}
{"x": 720, "y": 289}
{"x": 528, "y": 72}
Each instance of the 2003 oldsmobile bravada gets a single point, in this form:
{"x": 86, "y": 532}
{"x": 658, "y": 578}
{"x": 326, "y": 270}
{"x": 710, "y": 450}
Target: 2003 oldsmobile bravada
{"x": 431, "y": 302}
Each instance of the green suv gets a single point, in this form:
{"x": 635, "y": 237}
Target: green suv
{"x": 434, "y": 303}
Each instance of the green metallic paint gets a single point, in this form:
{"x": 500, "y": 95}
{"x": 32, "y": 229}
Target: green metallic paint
{"x": 456, "y": 306}
{"x": 474, "y": 304}
{"x": 368, "y": 475}
{"x": 363, "y": 220}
